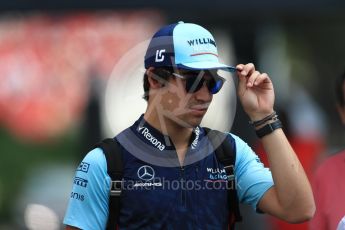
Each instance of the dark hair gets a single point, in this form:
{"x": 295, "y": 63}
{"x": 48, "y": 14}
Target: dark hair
{"x": 339, "y": 87}
{"x": 161, "y": 74}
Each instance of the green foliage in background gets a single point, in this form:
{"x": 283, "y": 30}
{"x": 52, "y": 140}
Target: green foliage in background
{"x": 18, "y": 157}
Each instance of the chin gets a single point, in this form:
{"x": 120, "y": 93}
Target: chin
{"x": 194, "y": 121}
{"x": 189, "y": 120}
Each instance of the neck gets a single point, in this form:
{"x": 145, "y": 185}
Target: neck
{"x": 178, "y": 134}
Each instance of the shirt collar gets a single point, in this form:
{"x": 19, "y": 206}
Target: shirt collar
{"x": 155, "y": 138}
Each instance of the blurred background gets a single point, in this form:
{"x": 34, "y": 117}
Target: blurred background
{"x": 57, "y": 59}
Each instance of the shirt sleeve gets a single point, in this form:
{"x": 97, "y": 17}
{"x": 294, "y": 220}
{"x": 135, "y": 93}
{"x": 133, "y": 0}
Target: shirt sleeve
{"x": 252, "y": 178}
{"x": 88, "y": 203}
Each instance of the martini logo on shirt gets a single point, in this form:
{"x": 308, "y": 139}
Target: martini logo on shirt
{"x": 146, "y": 133}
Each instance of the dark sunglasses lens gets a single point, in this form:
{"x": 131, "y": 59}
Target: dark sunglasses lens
{"x": 195, "y": 81}
{"x": 214, "y": 85}
{"x": 193, "y": 84}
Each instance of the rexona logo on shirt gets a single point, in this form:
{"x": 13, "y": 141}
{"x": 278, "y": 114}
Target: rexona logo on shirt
{"x": 146, "y": 133}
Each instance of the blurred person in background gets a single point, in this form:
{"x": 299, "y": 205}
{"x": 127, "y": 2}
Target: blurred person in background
{"x": 179, "y": 83}
{"x": 328, "y": 181}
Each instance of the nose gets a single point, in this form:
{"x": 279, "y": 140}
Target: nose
{"x": 203, "y": 94}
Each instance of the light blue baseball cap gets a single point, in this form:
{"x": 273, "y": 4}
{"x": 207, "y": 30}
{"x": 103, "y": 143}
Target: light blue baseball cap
{"x": 184, "y": 46}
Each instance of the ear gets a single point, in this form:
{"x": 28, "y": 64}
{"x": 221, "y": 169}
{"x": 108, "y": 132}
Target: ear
{"x": 153, "y": 80}
{"x": 341, "y": 111}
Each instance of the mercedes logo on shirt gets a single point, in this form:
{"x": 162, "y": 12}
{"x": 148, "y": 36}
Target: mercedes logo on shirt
{"x": 146, "y": 173}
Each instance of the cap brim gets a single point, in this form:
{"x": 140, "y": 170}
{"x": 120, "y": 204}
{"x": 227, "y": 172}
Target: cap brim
{"x": 206, "y": 65}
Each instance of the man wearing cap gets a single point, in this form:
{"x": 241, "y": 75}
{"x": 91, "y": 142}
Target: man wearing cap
{"x": 166, "y": 148}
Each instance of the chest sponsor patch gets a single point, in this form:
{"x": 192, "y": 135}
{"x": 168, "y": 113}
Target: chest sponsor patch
{"x": 215, "y": 174}
{"x": 147, "y": 174}
{"x": 153, "y": 140}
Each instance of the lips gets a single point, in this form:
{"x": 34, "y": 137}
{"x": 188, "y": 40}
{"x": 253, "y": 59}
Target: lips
{"x": 199, "y": 109}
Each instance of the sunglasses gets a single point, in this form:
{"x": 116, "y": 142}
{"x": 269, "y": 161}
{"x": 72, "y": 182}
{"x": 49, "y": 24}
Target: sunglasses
{"x": 195, "y": 80}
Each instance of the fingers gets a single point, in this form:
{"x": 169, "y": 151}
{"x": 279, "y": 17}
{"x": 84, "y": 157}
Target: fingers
{"x": 245, "y": 69}
{"x": 262, "y": 78}
{"x": 250, "y": 77}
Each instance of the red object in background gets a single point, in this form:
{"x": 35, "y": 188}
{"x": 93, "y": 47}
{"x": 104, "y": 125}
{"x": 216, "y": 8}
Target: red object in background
{"x": 329, "y": 190}
{"x": 308, "y": 151}
{"x": 46, "y": 63}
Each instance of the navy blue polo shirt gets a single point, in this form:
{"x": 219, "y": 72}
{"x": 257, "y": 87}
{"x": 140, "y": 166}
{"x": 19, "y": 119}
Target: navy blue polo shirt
{"x": 158, "y": 192}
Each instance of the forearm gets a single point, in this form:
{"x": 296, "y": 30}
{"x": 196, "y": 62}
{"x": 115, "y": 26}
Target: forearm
{"x": 293, "y": 190}
{"x": 291, "y": 197}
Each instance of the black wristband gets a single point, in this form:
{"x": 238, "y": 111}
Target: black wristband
{"x": 269, "y": 128}
{"x": 272, "y": 116}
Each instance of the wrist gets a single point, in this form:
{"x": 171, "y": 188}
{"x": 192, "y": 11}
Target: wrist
{"x": 268, "y": 128}
{"x": 266, "y": 123}
{"x": 258, "y": 123}
{"x": 255, "y": 116}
